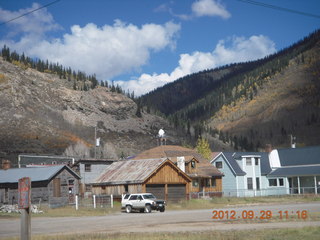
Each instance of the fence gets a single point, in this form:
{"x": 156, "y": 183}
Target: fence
{"x": 95, "y": 201}
{"x": 256, "y": 193}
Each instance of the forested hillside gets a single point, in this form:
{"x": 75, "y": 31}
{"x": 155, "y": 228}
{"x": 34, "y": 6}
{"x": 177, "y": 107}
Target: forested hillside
{"x": 249, "y": 104}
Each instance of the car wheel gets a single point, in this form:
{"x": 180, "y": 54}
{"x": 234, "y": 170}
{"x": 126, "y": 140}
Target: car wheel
{"x": 128, "y": 209}
{"x": 162, "y": 209}
{"x": 147, "y": 209}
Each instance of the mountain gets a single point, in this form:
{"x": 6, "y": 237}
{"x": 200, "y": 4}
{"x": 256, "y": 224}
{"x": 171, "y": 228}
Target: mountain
{"x": 249, "y": 105}
{"x": 41, "y": 113}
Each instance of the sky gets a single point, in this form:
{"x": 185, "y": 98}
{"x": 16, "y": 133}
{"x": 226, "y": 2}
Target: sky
{"x": 145, "y": 44}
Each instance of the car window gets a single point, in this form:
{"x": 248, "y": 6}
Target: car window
{"x": 148, "y": 196}
{"x": 133, "y": 197}
{"x": 126, "y": 196}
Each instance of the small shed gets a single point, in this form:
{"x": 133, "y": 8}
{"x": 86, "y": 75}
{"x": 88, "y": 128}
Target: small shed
{"x": 55, "y": 185}
{"x": 158, "y": 176}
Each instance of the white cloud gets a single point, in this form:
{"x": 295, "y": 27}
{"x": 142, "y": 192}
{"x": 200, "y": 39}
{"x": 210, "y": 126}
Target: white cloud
{"x": 107, "y": 51}
{"x": 199, "y": 8}
{"x": 240, "y": 50}
{"x": 209, "y": 8}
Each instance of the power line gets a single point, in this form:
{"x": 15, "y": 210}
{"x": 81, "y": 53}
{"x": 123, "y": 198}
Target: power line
{"x": 279, "y": 8}
{"x": 29, "y": 12}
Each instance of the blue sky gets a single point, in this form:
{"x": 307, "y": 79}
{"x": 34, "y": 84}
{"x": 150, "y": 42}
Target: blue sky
{"x": 144, "y": 44}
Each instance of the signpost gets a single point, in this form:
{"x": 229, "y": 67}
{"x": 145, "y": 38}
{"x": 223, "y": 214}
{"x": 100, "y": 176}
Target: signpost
{"x": 24, "y": 203}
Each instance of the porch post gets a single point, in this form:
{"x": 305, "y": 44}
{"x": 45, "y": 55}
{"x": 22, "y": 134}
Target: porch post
{"x": 298, "y": 178}
{"x": 315, "y": 185}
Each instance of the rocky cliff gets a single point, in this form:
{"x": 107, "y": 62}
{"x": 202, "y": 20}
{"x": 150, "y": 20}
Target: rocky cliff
{"x": 40, "y": 113}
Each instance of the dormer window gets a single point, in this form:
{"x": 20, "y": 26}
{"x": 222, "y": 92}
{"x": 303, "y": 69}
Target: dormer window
{"x": 248, "y": 162}
{"x": 193, "y": 164}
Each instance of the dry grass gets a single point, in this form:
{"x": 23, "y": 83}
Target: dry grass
{"x": 70, "y": 211}
{"x": 269, "y": 234}
{"x": 233, "y": 201}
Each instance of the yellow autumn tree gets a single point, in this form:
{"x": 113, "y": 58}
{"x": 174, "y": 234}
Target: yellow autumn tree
{"x": 203, "y": 148}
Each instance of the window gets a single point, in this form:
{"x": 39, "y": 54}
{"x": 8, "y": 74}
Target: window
{"x": 249, "y": 183}
{"x": 71, "y": 182}
{"x": 213, "y": 182}
{"x": 281, "y": 182}
{"x": 256, "y": 160}
{"x": 218, "y": 164}
{"x": 195, "y": 183}
{"x": 87, "y": 167}
{"x": 56, "y": 187}
{"x": 258, "y": 183}
{"x": 88, "y": 188}
{"x": 193, "y": 164}
{"x": 207, "y": 182}
{"x": 272, "y": 182}
{"x": 133, "y": 197}
{"x": 248, "y": 162}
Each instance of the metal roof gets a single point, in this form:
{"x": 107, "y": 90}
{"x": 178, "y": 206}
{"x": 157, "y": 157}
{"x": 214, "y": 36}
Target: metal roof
{"x": 26, "y": 160}
{"x": 233, "y": 163}
{"x": 310, "y": 170}
{"x": 129, "y": 171}
{"x": 299, "y": 156}
{"x": 12, "y": 175}
{"x": 205, "y": 169}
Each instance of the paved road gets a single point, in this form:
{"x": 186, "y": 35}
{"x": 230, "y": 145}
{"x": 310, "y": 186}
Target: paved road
{"x": 170, "y": 221}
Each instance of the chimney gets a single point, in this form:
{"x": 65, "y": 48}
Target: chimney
{"x": 268, "y": 148}
{"x": 6, "y": 164}
{"x": 180, "y": 163}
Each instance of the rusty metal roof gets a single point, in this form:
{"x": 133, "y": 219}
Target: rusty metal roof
{"x": 129, "y": 171}
{"x": 205, "y": 169}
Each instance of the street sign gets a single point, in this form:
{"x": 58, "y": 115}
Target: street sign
{"x": 24, "y": 193}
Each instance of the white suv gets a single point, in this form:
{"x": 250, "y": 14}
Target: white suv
{"x": 144, "y": 202}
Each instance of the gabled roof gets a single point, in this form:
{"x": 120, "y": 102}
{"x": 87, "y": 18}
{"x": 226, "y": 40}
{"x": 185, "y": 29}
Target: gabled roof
{"x": 232, "y": 157}
{"x": 229, "y": 157}
{"x": 131, "y": 171}
{"x": 299, "y": 156}
{"x": 36, "y": 174}
{"x": 205, "y": 169}
{"x": 264, "y": 160}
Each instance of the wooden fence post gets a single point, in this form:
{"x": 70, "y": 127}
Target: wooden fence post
{"x": 24, "y": 204}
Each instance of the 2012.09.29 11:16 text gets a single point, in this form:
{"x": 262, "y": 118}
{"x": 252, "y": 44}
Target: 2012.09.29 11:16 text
{"x": 263, "y": 214}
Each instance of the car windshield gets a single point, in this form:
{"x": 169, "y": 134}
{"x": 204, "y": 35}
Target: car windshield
{"x": 148, "y": 196}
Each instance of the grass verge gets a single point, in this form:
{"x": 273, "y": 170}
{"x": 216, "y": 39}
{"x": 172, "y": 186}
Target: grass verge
{"x": 268, "y": 234}
{"x": 70, "y": 211}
